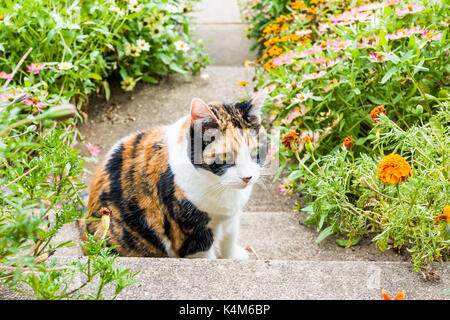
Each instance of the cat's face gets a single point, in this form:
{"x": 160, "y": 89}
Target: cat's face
{"x": 228, "y": 141}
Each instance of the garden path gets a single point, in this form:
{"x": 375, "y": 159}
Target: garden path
{"x": 286, "y": 263}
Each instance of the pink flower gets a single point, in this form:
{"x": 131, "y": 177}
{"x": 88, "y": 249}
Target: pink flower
{"x": 35, "y": 102}
{"x": 94, "y": 150}
{"x": 409, "y": 9}
{"x": 282, "y": 60}
{"x": 390, "y": 3}
{"x": 340, "y": 45}
{"x": 403, "y": 33}
{"x": 295, "y": 113}
{"x": 318, "y": 60}
{"x": 6, "y": 76}
{"x": 328, "y": 63}
{"x": 270, "y": 87}
{"x": 278, "y": 102}
{"x": 430, "y": 35}
{"x": 36, "y": 67}
{"x": 314, "y": 75}
{"x": 378, "y": 56}
{"x": 349, "y": 17}
{"x": 281, "y": 188}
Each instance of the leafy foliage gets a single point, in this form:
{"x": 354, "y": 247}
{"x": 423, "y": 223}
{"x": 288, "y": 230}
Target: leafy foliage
{"x": 356, "y": 81}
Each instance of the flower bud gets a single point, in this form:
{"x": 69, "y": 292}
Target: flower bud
{"x": 419, "y": 109}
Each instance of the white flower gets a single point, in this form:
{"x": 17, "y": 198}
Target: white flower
{"x": 204, "y": 76}
{"x": 132, "y": 50}
{"x": 64, "y": 66}
{"x": 134, "y": 6}
{"x": 143, "y": 45}
{"x": 181, "y": 45}
{"x": 5, "y": 20}
{"x": 172, "y": 9}
{"x": 301, "y": 97}
{"x": 116, "y": 10}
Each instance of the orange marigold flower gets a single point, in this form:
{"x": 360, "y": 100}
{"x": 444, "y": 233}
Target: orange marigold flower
{"x": 376, "y": 112}
{"x": 269, "y": 65}
{"x": 393, "y": 169}
{"x": 275, "y": 51}
{"x": 312, "y": 10}
{"x": 348, "y": 142}
{"x": 298, "y": 5}
{"x": 291, "y": 140}
{"x": 445, "y": 216}
{"x": 399, "y": 296}
{"x": 243, "y": 83}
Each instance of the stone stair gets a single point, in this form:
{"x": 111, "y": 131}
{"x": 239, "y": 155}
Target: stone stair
{"x": 286, "y": 262}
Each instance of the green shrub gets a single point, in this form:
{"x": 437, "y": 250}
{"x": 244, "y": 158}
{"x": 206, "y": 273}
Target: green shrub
{"x": 39, "y": 194}
{"x": 333, "y": 70}
{"x": 82, "y": 43}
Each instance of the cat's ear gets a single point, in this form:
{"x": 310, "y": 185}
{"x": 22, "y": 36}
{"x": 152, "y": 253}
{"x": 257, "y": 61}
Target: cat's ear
{"x": 201, "y": 112}
{"x": 257, "y": 103}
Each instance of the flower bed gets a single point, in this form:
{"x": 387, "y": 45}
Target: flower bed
{"x": 78, "y": 45}
{"x": 53, "y": 53}
{"x": 351, "y": 83}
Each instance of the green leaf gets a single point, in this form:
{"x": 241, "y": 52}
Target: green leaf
{"x": 107, "y": 89}
{"x": 388, "y": 75}
{"x": 382, "y": 38}
{"x": 348, "y": 242}
{"x": 328, "y": 231}
{"x": 176, "y": 68}
{"x": 95, "y": 76}
{"x": 149, "y": 79}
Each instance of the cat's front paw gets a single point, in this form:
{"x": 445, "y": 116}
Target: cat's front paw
{"x": 237, "y": 253}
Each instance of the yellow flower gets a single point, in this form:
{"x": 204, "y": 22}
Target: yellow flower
{"x": 243, "y": 83}
{"x": 393, "y": 169}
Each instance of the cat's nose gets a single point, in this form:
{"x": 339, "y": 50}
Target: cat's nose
{"x": 246, "y": 179}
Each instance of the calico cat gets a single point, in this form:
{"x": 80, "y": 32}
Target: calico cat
{"x": 176, "y": 190}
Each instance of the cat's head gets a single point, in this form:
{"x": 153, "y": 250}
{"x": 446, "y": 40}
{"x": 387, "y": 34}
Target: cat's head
{"x": 228, "y": 140}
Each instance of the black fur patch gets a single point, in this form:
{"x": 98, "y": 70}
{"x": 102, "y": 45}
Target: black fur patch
{"x": 190, "y": 220}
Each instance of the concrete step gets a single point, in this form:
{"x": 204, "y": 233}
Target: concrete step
{"x": 277, "y": 236}
{"x": 202, "y": 279}
{"x": 217, "y": 11}
{"x": 226, "y": 44}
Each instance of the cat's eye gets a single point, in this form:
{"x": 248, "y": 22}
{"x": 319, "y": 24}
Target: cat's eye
{"x": 226, "y": 158}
